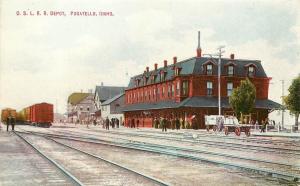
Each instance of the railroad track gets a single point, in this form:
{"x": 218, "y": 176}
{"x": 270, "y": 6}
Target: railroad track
{"x": 25, "y": 163}
{"x": 209, "y": 142}
{"x": 83, "y": 167}
{"x": 290, "y": 142}
{"x": 274, "y": 169}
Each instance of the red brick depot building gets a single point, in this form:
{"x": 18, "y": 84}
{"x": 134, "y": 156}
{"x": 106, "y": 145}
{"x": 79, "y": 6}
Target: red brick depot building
{"x": 190, "y": 88}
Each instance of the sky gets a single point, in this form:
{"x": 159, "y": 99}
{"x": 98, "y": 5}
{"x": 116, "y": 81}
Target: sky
{"x": 46, "y": 58}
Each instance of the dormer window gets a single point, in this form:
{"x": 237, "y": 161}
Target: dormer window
{"x": 230, "y": 70}
{"x": 251, "y": 71}
{"x": 209, "y": 69}
{"x": 139, "y": 82}
{"x": 146, "y": 80}
{"x": 153, "y": 78}
{"x": 163, "y": 75}
{"x": 177, "y": 71}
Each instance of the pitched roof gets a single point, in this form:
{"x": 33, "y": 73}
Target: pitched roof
{"x": 77, "y": 97}
{"x": 198, "y": 101}
{"x": 194, "y": 65}
{"x": 107, "y": 102}
{"x": 107, "y": 92}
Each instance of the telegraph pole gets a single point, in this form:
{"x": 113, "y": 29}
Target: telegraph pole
{"x": 219, "y": 77}
{"x": 220, "y": 52}
{"x": 282, "y": 102}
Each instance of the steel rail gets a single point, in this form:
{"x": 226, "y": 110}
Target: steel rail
{"x": 244, "y": 146}
{"x": 240, "y": 138}
{"x": 155, "y": 180}
{"x": 61, "y": 168}
{"x": 207, "y": 142}
{"x": 142, "y": 147}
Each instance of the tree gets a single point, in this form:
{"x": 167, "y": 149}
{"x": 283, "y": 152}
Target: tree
{"x": 292, "y": 100}
{"x": 242, "y": 99}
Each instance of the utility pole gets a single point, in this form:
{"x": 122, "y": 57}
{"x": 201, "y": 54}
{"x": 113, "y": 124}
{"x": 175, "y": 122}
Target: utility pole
{"x": 219, "y": 77}
{"x": 282, "y": 102}
{"x": 219, "y": 55}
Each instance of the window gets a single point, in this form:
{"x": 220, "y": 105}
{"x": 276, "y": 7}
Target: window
{"x": 163, "y": 76}
{"x": 153, "y": 78}
{"x": 145, "y": 95}
{"x": 178, "y": 88}
{"x": 88, "y": 108}
{"x": 209, "y": 69}
{"x": 169, "y": 90}
{"x": 251, "y": 71}
{"x": 209, "y": 87}
{"x": 230, "y": 70}
{"x": 149, "y": 95}
{"x": 154, "y": 93}
{"x": 229, "y": 89}
{"x": 177, "y": 71}
{"x": 173, "y": 90}
{"x": 146, "y": 80}
{"x": 81, "y": 108}
{"x": 158, "y": 93}
{"x": 163, "y": 92}
{"x": 185, "y": 86}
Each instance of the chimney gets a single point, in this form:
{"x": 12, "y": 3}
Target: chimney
{"x": 174, "y": 60}
{"x": 199, "y": 51}
{"x": 232, "y": 56}
{"x": 165, "y": 63}
{"x": 147, "y": 69}
{"x": 155, "y": 66}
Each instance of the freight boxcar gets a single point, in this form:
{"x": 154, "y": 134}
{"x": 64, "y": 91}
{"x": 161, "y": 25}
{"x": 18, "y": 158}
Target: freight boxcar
{"x": 41, "y": 114}
{"x": 6, "y": 112}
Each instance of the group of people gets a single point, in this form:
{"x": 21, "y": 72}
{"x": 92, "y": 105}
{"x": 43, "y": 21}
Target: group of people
{"x": 134, "y": 123}
{"x": 164, "y": 123}
{"x": 10, "y": 120}
{"x": 113, "y": 122}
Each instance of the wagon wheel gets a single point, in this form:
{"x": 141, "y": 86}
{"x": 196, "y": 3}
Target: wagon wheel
{"x": 214, "y": 128}
{"x": 237, "y": 131}
{"x": 207, "y": 128}
{"x": 247, "y": 131}
{"x": 226, "y": 131}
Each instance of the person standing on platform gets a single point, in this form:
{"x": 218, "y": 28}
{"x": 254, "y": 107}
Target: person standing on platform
{"x": 8, "y": 122}
{"x": 137, "y": 123}
{"x": 164, "y": 125}
{"x": 132, "y": 123}
{"x": 117, "y": 122}
{"x": 263, "y": 126}
{"x": 177, "y": 123}
{"x": 107, "y": 123}
{"x": 13, "y": 122}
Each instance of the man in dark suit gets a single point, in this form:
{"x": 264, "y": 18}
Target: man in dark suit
{"x": 8, "y": 122}
{"x": 13, "y": 122}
